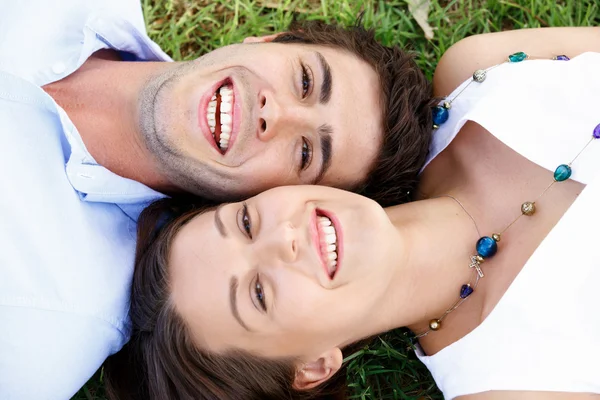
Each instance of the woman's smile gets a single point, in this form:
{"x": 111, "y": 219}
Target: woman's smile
{"x": 327, "y": 241}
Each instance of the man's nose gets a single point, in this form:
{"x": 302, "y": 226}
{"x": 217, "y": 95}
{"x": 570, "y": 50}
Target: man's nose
{"x": 281, "y": 115}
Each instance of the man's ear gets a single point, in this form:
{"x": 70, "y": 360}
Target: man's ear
{"x": 261, "y": 39}
{"x": 312, "y": 374}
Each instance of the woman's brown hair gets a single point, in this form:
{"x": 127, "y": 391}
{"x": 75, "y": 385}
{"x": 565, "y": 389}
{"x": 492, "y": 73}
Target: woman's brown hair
{"x": 161, "y": 361}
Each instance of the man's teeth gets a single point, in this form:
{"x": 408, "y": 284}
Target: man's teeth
{"x": 328, "y": 242}
{"x": 226, "y": 119}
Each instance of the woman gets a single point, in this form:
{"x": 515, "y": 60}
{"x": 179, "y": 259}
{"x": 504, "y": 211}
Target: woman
{"x": 260, "y": 299}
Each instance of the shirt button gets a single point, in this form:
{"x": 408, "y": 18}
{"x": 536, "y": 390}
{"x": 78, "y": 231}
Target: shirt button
{"x": 58, "y": 68}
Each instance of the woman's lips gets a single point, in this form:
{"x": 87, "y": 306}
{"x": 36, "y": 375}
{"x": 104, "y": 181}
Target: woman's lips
{"x": 327, "y": 241}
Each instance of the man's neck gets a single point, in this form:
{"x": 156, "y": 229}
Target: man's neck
{"x": 101, "y": 98}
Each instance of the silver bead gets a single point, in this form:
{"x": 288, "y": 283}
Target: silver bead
{"x": 479, "y": 75}
{"x": 447, "y": 105}
{"x": 435, "y": 126}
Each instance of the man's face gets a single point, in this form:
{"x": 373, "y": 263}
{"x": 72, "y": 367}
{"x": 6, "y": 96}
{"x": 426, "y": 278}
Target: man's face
{"x": 248, "y": 117}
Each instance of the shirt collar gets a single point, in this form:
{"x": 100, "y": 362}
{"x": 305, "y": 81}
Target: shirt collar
{"x": 93, "y": 182}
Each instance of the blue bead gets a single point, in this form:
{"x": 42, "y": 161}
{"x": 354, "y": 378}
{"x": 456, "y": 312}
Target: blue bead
{"x": 486, "y": 247}
{"x": 562, "y": 58}
{"x": 517, "y": 57}
{"x": 596, "y": 133}
{"x": 562, "y": 173}
{"x": 465, "y": 291}
{"x": 440, "y": 115}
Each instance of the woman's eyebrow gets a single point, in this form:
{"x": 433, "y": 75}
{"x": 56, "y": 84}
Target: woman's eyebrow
{"x": 219, "y": 223}
{"x": 233, "y": 286}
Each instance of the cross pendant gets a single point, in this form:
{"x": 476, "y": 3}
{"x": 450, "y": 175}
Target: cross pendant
{"x": 475, "y": 264}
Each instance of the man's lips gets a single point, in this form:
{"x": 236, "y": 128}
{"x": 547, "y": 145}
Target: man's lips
{"x": 202, "y": 111}
{"x": 235, "y": 114}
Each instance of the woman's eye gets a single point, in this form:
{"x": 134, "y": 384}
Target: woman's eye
{"x": 260, "y": 294}
{"x": 306, "y": 82}
{"x": 246, "y": 223}
{"x": 306, "y": 154}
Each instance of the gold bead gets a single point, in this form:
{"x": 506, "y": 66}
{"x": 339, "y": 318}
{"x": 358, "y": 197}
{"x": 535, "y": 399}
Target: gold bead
{"x": 435, "y": 324}
{"x": 528, "y": 208}
{"x": 479, "y": 259}
{"x": 435, "y": 126}
{"x": 496, "y": 237}
{"x": 447, "y": 105}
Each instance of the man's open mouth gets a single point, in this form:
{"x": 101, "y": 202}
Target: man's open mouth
{"x": 219, "y": 115}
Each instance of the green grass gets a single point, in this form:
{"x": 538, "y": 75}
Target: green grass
{"x": 186, "y": 29}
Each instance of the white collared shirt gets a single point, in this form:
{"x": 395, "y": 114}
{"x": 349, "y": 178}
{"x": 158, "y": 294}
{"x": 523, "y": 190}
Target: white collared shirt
{"x": 67, "y": 224}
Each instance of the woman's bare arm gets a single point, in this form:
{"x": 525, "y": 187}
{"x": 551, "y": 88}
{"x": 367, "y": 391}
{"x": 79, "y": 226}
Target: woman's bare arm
{"x": 485, "y": 50}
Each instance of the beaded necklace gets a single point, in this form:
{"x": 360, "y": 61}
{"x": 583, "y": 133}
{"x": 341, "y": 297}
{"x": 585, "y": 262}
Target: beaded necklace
{"x": 487, "y": 246}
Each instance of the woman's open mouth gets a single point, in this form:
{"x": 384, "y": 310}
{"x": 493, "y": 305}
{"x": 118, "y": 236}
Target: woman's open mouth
{"x": 219, "y": 115}
{"x": 328, "y": 241}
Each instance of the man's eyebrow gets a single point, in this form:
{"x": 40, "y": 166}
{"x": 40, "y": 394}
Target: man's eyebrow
{"x": 327, "y": 82}
{"x": 219, "y": 222}
{"x": 233, "y": 285}
{"x": 324, "y": 131}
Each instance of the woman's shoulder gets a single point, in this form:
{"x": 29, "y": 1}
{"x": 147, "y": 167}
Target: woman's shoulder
{"x": 458, "y": 63}
{"x": 485, "y": 50}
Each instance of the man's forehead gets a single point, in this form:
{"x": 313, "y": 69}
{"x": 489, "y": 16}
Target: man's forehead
{"x": 352, "y": 112}
{"x": 357, "y": 133}
{"x": 333, "y": 54}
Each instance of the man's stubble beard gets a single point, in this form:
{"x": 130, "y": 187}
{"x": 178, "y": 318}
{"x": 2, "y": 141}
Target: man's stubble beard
{"x": 188, "y": 174}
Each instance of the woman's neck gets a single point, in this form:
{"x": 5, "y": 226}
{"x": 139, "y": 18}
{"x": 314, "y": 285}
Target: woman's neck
{"x": 442, "y": 236}
{"x": 437, "y": 237}
{"x": 491, "y": 180}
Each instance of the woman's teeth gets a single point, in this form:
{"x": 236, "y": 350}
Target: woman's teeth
{"x": 328, "y": 243}
{"x": 221, "y": 105}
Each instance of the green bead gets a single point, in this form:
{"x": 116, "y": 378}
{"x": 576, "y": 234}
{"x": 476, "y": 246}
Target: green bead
{"x": 517, "y": 57}
{"x": 562, "y": 173}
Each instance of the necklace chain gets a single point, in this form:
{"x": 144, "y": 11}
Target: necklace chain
{"x": 486, "y": 246}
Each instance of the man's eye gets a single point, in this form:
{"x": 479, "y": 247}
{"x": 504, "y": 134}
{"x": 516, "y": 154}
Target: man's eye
{"x": 260, "y": 294}
{"x": 246, "y": 222}
{"x": 306, "y": 81}
{"x": 306, "y": 154}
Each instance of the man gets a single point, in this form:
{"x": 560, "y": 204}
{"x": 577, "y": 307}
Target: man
{"x": 91, "y": 135}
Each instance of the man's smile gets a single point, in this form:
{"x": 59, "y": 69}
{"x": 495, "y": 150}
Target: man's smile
{"x": 218, "y": 115}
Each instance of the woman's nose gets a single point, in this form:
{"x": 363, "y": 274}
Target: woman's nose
{"x": 282, "y": 242}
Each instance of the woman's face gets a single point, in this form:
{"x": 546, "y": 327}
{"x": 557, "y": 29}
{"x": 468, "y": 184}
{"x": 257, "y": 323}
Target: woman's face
{"x": 291, "y": 272}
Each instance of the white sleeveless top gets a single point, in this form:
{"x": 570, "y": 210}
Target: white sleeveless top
{"x": 544, "y": 334}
